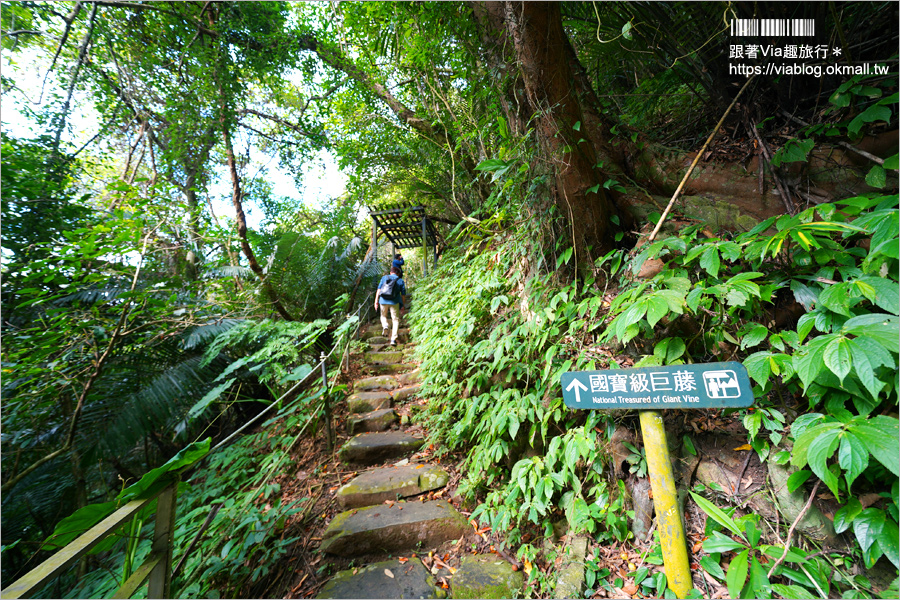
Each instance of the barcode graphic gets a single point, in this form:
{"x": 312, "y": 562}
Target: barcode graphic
{"x": 773, "y": 27}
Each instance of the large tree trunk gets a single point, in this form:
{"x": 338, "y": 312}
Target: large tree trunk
{"x": 545, "y": 58}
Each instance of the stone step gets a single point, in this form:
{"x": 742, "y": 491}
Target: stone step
{"x": 406, "y": 580}
{"x": 364, "y": 402}
{"x": 486, "y": 576}
{"x": 409, "y": 377}
{"x": 383, "y": 357}
{"x": 376, "y": 331}
{"x": 399, "y": 527}
{"x": 377, "y": 420}
{"x": 389, "y": 369}
{"x": 379, "y": 382}
{"x": 378, "y": 485}
{"x": 405, "y": 392}
{"x": 371, "y": 448}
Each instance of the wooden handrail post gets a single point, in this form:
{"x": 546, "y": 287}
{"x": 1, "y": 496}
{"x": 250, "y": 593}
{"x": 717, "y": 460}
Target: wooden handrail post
{"x": 160, "y": 580}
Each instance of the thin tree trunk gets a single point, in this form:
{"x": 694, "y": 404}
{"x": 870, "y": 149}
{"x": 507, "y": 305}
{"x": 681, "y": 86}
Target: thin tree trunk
{"x": 242, "y": 220}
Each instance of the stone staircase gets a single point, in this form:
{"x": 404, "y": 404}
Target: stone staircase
{"x": 382, "y": 516}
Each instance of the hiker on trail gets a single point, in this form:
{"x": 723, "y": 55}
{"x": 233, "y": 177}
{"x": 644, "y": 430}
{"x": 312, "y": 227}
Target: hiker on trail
{"x": 389, "y": 298}
{"x": 398, "y": 262}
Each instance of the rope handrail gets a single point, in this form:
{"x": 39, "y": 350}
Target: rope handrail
{"x": 290, "y": 391}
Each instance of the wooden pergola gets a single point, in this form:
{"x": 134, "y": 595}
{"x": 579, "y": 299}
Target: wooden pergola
{"x": 406, "y": 227}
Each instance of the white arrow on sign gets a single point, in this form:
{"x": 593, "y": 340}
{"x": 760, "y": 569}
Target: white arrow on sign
{"x": 579, "y": 387}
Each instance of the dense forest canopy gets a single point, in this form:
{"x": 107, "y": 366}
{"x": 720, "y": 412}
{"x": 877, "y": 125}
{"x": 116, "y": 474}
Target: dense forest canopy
{"x": 142, "y": 309}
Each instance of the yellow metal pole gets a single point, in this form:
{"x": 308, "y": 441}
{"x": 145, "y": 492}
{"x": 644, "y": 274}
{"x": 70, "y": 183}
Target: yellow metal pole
{"x": 662, "y": 481}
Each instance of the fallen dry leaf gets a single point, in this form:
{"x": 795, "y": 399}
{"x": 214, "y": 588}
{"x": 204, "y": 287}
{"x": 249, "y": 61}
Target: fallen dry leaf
{"x": 630, "y": 589}
{"x": 744, "y": 447}
{"x": 388, "y": 573}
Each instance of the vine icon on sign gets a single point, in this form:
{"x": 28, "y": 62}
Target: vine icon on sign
{"x": 721, "y": 384}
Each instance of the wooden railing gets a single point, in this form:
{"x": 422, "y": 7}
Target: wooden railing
{"x": 156, "y": 569}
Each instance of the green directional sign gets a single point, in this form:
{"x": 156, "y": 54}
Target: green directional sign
{"x": 710, "y": 385}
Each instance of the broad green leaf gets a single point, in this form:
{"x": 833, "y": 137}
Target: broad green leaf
{"x": 836, "y": 298}
{"x": 210, "y": 397}
{"x": 883, "y": 328}
{"x": 792, "y": 591}
{"x": 656, "y": 310}
{"x": 758, "y": 367}
{"x": 79, "y": 522}
{"x": 868, "y": 526}
{"x": 887, "y": 293}
{"x": 797, "y": 479}
{"x": 853, "y": 457}
{"x": 185, "y": 458}
{"x": 820, "y": 450}
{"x": 864, "y": 368}
{"x": 752, "y": 422}
{"x": 717, "y": 542}
{"x": 717, "y": 515}
{"x": 880, "y": 437}
{"x": 876, "y": 177}
{"x": 844, "y": 516}
{"x": 712, "y": 567}
{"x": 838, "y": 357}
{"x": 737, "y": 574}
{"x": 758, "y": 584}
{"x": 870, "y": 115}
{"x": 710, "y": 261}
{"x": 491, "y": 164}
{"x": 889, "y": 542}
{"x": 803, "y": 443}
{"x": 754, "y": 337}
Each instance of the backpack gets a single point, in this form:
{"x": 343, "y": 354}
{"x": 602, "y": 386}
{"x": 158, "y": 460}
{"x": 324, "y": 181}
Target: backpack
{"x": 387, "y": 289}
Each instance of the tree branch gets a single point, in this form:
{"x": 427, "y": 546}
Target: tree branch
{"x": 89, "y": 384}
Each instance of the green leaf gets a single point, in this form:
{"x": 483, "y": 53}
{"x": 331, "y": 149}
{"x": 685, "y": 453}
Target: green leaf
{"x": 758, "y": 367}
{"x": 838, "y": 357}
{"x": 880, "y": 437}
{"x": 844, "y": 516}
{"x": 712, "y": 567}
{"x": 836, "y": 298}
{"x": 753, "y": 422}
{"x": 688, "y": 446}
{"x": 892, "y": 163}
{"x": 883, "y": 328}
{"x": 185, "y": 458}
{"x": 870, "y": 115}
{"x": 792, "y": 591}
{"x": 710, "y": 261}
{"x": 876, "y": 177}
{"x": 889, "y": 542}
{"x": 868, "y": 526}
{"x": 797, "y": 479}
{"x": 737, "y": 574}
{"x": 79, "y": 522}
{"x": 758, "y": 584}
{"x": 820, "y": 450}
{"x": 491, "y": 164}
{"x": 754, "y": 336}
{"x": 210, "y": 397}
{"x": 864, "y": 352}
{"x": 717, "y": 515}
{"x": 717, "y": 542}
{"x": 656, "y": 310}
{"x": 853, "y": 457}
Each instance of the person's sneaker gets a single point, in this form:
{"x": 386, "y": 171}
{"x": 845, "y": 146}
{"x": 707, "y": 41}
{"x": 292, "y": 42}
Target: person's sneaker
{"x": 384, "y": 332}
{"x": 393, "y": 342}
